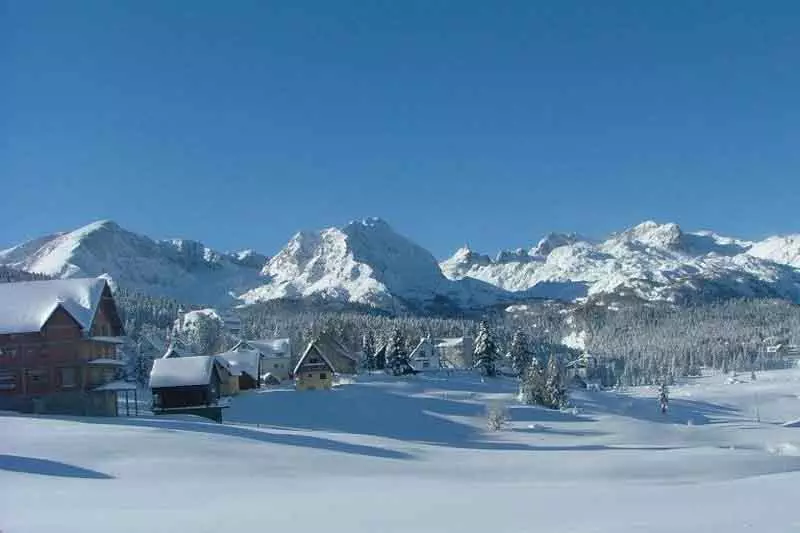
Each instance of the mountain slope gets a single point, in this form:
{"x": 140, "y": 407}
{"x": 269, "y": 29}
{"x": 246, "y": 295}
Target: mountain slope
{"x": 181, "y": 269}
{"x": 366, "y": 262}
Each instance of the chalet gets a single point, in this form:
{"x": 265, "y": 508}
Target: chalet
{"x": 247, "y": 365}
{"x": 342, "y": 359}
{"x": 276, "y": 356}
{"x": 58, "y": 347}
{"x": 314, "y": 370}
{"x": 424, "y": 357}
{"x": 455, "y": 352}
{"x": 180, "y": 383}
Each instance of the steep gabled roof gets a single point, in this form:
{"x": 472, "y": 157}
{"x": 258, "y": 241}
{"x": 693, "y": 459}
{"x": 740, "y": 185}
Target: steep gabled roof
{"x": 423, "y": 349}
{"x": 26, "y": 306}
{"x": 313, "y": 348}
{"x": 327, "y": 342}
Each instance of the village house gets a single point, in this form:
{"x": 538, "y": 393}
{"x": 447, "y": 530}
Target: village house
{"x": 180, "y": 383}
{"x": 342, "y": 359}
{"x": 276, "y": 356}
{"x": 58, "y": 347}
{"x": 314, "y": 371}
{"x": 424, "y": 357}
{"x": 455, "y": 353}
{"x": 322, "y": 358}
{"x": 247, "y": 365}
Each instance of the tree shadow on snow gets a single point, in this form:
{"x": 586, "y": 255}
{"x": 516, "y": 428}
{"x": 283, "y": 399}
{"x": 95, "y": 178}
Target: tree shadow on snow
{"x": 305, "y": 441}
{"x": 681, "y": 411}
{"x": 46, "y": 467}
{"x": 369, "y": 411}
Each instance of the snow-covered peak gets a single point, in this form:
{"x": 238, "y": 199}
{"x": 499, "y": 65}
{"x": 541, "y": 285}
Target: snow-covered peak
{"x": 364, "y": 262}
{"x": 653, "y": 234}
{"x": 551, "y": 241}
{"x": 179, "y": 268}
{"x": 780, "y": 249}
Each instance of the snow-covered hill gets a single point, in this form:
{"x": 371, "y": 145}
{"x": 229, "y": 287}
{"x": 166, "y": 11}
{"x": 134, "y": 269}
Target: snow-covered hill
{"x": 181, "y": 269}
{"x": 366, "y": 262}
{"x": 652, "y": 261}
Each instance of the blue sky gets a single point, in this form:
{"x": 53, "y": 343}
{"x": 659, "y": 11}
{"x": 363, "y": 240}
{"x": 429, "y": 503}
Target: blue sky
{"x": 488, "y": 123}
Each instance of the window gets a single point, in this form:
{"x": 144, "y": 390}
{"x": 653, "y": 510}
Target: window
{"x": 426, "y": 364}
{"x": 69, "y": 378}
{"x": 323, "y": 375}
{"x": 8, "y": 380}
{"x": 37, "y": 378}
{"x": 8, "y": 351}
{"x": 313, "y": 360}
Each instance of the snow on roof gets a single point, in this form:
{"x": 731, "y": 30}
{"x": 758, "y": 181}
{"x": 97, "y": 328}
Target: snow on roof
{"x": 423, "y": 349}
{"x": 110, "y": 340}
{"x": 116, "y": 385}
{"x": 312, "y": 344}
{"x": 106, "y": 361}
{"x": 447, "y": 342}
{"x": 268, "y": 347}
{"x": 182, "y": 371}
{"x": 243, "y": 360}
{"x": 25, "y": 306}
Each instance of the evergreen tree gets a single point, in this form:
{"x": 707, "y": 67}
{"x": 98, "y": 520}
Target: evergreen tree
{"x": 368, "y": 351}
{"x": 520, "y": 353}
{"x": 397, "y": 355}
{"x": 532, "y": 388}
{"x": 555, "y": 392}
{"x": 485, "y": 352}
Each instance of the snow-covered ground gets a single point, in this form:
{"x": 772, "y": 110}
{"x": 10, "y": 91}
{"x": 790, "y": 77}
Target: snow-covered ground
{"x": 397, "y": 456}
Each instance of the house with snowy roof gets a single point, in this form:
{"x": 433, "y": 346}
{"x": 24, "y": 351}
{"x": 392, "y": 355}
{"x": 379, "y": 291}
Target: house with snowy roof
{"x": 247, "y": 365}
{"x": 185, "y": 383}
{"x": 276, "y": 356}
{"x": 314, "y": 370}
{"x": 58, "y": 347}
{"x": 424, "y": 357}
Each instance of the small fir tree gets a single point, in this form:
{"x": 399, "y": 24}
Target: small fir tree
{"x": 485, "y": 352}
{"x": 520, "y": 353}
{"x": 397, "y": 355}
{"x": 556, "y": 393}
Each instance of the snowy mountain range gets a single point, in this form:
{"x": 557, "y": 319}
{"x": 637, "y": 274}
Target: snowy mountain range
{"x": 366, "y": 262}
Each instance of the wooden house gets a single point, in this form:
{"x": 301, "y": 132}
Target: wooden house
{"x": 314, "y": 371}
{"x": 189, "y": 382}
{"x": 58, "y": 347}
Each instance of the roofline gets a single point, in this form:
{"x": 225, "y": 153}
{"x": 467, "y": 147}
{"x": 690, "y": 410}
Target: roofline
{"x": 313, "y": 344}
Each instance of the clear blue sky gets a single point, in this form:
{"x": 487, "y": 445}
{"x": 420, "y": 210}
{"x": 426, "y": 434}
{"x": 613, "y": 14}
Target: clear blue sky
{"x": 239, "y": 123}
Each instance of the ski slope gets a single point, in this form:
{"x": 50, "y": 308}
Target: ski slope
{"x": 394, "y": 455}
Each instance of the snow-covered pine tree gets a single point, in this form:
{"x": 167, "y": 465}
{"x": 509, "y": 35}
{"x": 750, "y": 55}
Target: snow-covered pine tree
{"x": 555, "y": 392}
{"x": 532, "y": 387}
{"x": 368, "y": 351}
{"x": 485, "y": 351}
{"x": 520, "y": 353}
{"x": 397, "y": 355}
